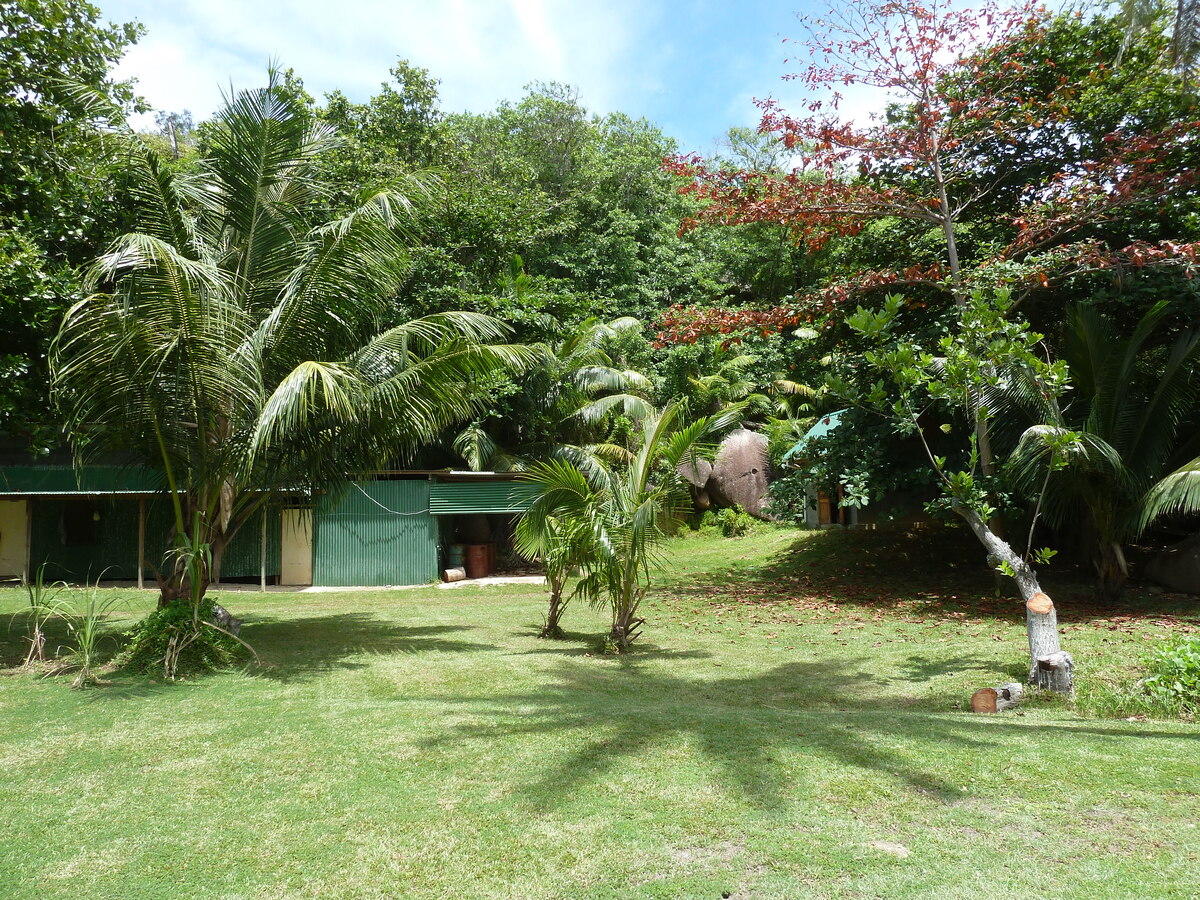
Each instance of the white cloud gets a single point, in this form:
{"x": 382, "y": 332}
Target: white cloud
{"x": 483, "y": 51}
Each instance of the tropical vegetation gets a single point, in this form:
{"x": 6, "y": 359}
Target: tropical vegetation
{"x": 995, "y": 276}
{"x": 240, "y": 339}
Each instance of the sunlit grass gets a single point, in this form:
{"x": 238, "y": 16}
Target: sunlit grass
{"x": 791, "y": 726}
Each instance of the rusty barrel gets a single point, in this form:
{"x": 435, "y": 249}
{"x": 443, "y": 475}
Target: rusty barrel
{"x": 477, "y": 560}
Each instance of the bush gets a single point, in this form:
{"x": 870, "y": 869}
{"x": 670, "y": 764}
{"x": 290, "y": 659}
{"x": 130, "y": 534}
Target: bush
{"x": 171, "y": 632}
{"x": 1173, "y": 679}
{"x": 1170, "y": 687}
{"x": 735, "y": 521}
{"x": 789, "y": 497}
{"x": 731, "y": 522}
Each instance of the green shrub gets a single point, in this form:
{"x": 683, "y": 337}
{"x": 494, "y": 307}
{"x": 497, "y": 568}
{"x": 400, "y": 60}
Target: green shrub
{"x": 1173, "y": 675}
{"x": 735, "y": 521}
{"x": 167, "y": 642}
{"x": 789, "y": 497}
{"x": 1170, "y": 687}
{"x": 731, "y": 522}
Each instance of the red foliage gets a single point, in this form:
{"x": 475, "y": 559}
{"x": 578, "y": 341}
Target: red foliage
{"x": 916, "y": 164}
{"x": 910, "y": 50}
{"x": 1138, "y": 169}
{"x": 686, "y": 325}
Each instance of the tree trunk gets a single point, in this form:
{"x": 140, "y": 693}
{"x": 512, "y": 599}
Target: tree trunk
{"x": 1111, "y": 571}
{"x": 218, "y": 542}
{"x": 551, "y": 628}
{"x": 1049, "y": 666}
{"x": 626, "y": 626}
{"x": 625, "y": 631}
{"x": 997, "y": 699}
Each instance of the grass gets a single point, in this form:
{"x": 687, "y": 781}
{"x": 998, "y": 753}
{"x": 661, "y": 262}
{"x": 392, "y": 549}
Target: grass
{"x": 792, "y": 726}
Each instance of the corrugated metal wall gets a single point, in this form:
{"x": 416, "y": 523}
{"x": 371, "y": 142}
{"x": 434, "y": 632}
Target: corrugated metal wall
{"x": 243, "y": 555}
{"x": 373, "y": 533}
{"x": 449, "y": 498}
{"x": 114, "y": 551}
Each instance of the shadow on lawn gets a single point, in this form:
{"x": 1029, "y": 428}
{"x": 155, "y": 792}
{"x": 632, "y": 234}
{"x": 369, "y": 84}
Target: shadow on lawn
{"x": 922, "y": 667}
{"x": 297, "y": 649}
{"x": 739, "y": 723}
{"x": 14, "y": 642}
{"x": 938, "y": 572}
{"x": 754, "y": 729}
{"x": 580, "y": 643}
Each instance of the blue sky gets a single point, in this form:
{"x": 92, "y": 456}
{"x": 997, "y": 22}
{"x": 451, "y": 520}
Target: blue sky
{"x": 693, "y": 67}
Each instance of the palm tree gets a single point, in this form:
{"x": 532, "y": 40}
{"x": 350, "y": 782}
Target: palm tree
{"x": 1133, "y": 398}
{"x": 619, "y": 515}
{"x": 562, "y": 545}
{"x": 1181, "y": 18}
{"x": 562, "y": 403}
{"x": 235, "y": 340}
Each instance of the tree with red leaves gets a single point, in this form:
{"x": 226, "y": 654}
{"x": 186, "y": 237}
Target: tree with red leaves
{"x": 963, "y": 100}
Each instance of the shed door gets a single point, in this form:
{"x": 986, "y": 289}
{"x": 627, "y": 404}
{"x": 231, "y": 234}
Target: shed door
{"x": 14, "y": 538}
{"x": 824, "y": 509}
{"x": 296, "y": 551}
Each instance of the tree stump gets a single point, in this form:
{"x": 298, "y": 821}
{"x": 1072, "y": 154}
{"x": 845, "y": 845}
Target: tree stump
{"x": 1053, "y": 672}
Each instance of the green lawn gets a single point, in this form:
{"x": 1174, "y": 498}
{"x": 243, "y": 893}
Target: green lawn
{"x": 791, "y": 727}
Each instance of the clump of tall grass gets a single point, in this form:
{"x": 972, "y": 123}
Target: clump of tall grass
{"x": 45, "y": 603}
{"x": 1169, "y": 686}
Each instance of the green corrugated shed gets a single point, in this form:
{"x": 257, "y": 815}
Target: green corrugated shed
{"x": 375, "y": 533}
{"x": 114, "y": 549}
{"x": 480, "y": 496}
{"x": 243, "y": 555}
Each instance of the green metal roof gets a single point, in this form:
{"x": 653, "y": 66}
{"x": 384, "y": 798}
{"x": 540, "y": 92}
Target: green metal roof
{"x": 49, "y": 481}
{"x": 824, "y": 425}
{"x": 480, "y": 496}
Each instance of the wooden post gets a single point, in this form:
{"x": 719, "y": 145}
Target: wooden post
{"x": 262, "y": 552}
{"x": 141, "y": 561}
{"x": 27, "y": 566}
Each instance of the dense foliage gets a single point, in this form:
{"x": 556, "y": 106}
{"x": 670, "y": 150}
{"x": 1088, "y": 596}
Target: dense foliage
{"x": 1049, "y": 158}
{"x": 61, "y": 195}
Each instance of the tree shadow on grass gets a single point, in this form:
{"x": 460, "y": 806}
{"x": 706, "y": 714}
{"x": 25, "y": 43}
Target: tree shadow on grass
{"x": 935, "y": 572}
{"x": 598, "y": 724}
{"x": 14, "y": 641}
{"x": 580, "y": 643}
{"x": 739, "y": 723}
{"x": 296, "y": 650}
{"x": 921, "y": 667}
{"x": 302, "y": 648}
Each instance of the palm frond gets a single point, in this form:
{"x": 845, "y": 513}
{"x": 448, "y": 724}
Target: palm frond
{"x": 1177, "y": 493}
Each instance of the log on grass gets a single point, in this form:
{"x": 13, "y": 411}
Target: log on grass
{"x": 997, "y": 699}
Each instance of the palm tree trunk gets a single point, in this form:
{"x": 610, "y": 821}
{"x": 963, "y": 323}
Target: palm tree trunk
{"x": 1111, "y": 571}
{"x": 551, "y": 629}
{"x": 626, "y": 625}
